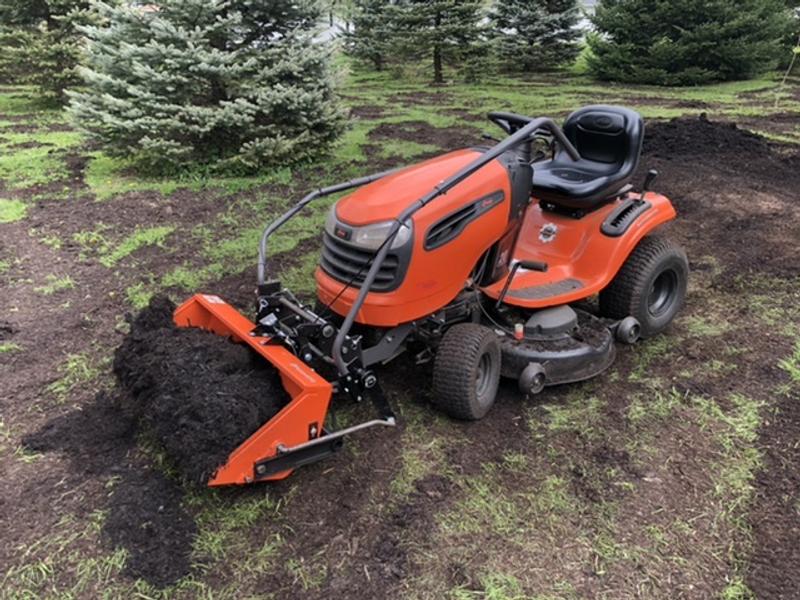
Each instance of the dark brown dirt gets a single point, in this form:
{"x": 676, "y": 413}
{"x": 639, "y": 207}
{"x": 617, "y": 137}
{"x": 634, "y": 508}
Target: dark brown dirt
{"x": 27, "y": 145}
{"x": 7, "y": 330}
{"x": 447, "y": 138}
{"x": 197, "y": 393}
{"x": 698, "y": 137}
{"x": 367, "y": 112}
{"x": 737, "y": 197}
{"x": 774, "y": 571}
{"x": 734, "y": 190}
{"x": 414, "y": 98}
{"x": 146, "y": 516}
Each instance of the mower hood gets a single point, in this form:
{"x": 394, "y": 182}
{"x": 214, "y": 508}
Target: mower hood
{"x": 386, "y": 198}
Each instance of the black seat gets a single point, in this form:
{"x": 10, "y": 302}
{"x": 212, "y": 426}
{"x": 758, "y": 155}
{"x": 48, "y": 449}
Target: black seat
{"x": 609, "y": 140}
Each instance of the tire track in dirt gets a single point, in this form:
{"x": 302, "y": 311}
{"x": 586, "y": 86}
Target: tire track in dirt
{"x": 774, "y": 570}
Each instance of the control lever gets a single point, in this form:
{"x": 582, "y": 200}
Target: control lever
{"x": 648, "y": 181}
{"x": 530, "y": 265}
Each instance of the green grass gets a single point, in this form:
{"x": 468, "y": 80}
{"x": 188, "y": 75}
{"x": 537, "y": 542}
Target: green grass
{"x": 580, "y": 412}
{"x": 55, "y": 284}
{"x": 150, "y": 236}
{"x": 653, "y": 405}
{"x": 651, "y": 350}
{"x": 77, "y": 370}
{"x": 40, "y": 165}
{"x": 9, "y": 347}
{"x": 709, "y": 325}
{"x": 12, "y": 210}
{"x": 495, "y": 586}
{"x": 792, "y": 364}
{"x": 21, "y": 101}
{"x": 405, "y": 148}
{"x": 223, "y": 526}
{"x": 138, "y": 295}
{"x": 108, "y": 176}
{"x": 737, "y": 590}
{"x": 736, "y": 430}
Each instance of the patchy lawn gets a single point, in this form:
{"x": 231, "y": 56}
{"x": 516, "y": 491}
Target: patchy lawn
{"x": 673, "y": 475}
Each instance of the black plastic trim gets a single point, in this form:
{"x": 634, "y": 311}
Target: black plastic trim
{"x": 622, "y": 217}
{"x": 342, "y": 260}
{"x": 450, "y": 227}
{"x": 297, "y": 458}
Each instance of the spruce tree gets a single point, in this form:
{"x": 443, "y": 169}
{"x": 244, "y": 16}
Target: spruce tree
{"x": 446, "y": 31}
{"x": 685, "y": 42}
{"x": 371, "y": 36}
{"x": 238, "y": 83}
{"x": 533, "y": 35}
{"x": 40, "y": 43}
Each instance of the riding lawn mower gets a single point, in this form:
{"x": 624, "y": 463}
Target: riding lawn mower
{"x": 481, "y": 262}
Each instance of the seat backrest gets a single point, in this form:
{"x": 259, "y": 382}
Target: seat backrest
{"x": 612, "y": 135}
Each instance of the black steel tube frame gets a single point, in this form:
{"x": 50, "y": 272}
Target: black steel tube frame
{"x": 523, "y": 134}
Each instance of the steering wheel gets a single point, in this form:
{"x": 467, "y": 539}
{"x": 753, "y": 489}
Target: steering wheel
{"x": 512, "y": 122}
{"x": 509, "y": 122}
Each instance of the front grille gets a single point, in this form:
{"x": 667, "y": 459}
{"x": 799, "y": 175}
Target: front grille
{"x": 349, "y": 264}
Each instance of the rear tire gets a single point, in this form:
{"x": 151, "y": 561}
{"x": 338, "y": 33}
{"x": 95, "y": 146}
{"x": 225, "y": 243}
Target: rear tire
{"x": 650, "y": 286}
{"x": 466, "y": 371}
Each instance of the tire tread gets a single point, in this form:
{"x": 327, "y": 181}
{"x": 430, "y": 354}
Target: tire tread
{"x": 623, "y": 295}
{"x": 453, "y": 384}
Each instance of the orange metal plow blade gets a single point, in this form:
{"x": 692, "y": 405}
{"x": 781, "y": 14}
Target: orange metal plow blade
{"x": 298, "y": 422}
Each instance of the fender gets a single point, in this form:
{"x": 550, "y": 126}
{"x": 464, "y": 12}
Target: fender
{"x": 582, "y": 259}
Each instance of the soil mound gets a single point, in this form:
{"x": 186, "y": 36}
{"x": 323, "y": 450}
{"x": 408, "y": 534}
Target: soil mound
{"x": 198, "y": 394}
{"x": 697, "y": 136}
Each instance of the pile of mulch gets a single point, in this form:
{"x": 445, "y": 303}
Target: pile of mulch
{"x": 198, "y": 394}
{"x": 722, "y": 149}
{"x": 697, "y": 136}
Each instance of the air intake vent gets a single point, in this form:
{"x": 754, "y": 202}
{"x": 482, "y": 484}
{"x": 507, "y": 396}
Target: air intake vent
{"x": 453, "y": 224}
{"x": 449, "y": 227}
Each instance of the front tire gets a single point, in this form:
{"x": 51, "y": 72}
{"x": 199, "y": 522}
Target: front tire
{"x": 466, "y": 371}
{"x": 650, "y": 286}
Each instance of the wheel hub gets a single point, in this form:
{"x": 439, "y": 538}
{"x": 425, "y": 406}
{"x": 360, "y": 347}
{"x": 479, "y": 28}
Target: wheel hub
{"x": 662, "y": 293}
{"x": 483, "y": 376}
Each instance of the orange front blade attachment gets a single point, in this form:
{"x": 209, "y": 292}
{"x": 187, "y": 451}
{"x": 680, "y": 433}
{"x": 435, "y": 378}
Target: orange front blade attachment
{"x": 298, "y": 422}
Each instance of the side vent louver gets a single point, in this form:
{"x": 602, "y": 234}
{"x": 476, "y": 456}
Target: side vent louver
{"x": 449, "y": 227}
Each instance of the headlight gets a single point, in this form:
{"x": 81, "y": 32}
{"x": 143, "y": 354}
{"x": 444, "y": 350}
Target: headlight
{"x": 368, "y": 236}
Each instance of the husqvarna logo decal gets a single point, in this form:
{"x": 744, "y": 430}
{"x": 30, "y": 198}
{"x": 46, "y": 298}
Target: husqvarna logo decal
{"x": 548, "y": 233}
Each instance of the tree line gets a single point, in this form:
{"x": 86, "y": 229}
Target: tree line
{"x": 514, "y": 35}
{"x": 239, "y": 85}
{"x": 662, "y": 42}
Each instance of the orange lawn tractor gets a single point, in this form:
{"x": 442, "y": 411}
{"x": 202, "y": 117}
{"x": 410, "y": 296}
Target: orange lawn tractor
{"x": 472, "y": 261}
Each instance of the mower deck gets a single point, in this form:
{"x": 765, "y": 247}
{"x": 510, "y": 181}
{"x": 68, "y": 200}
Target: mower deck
{"x": 566, "y": 357}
